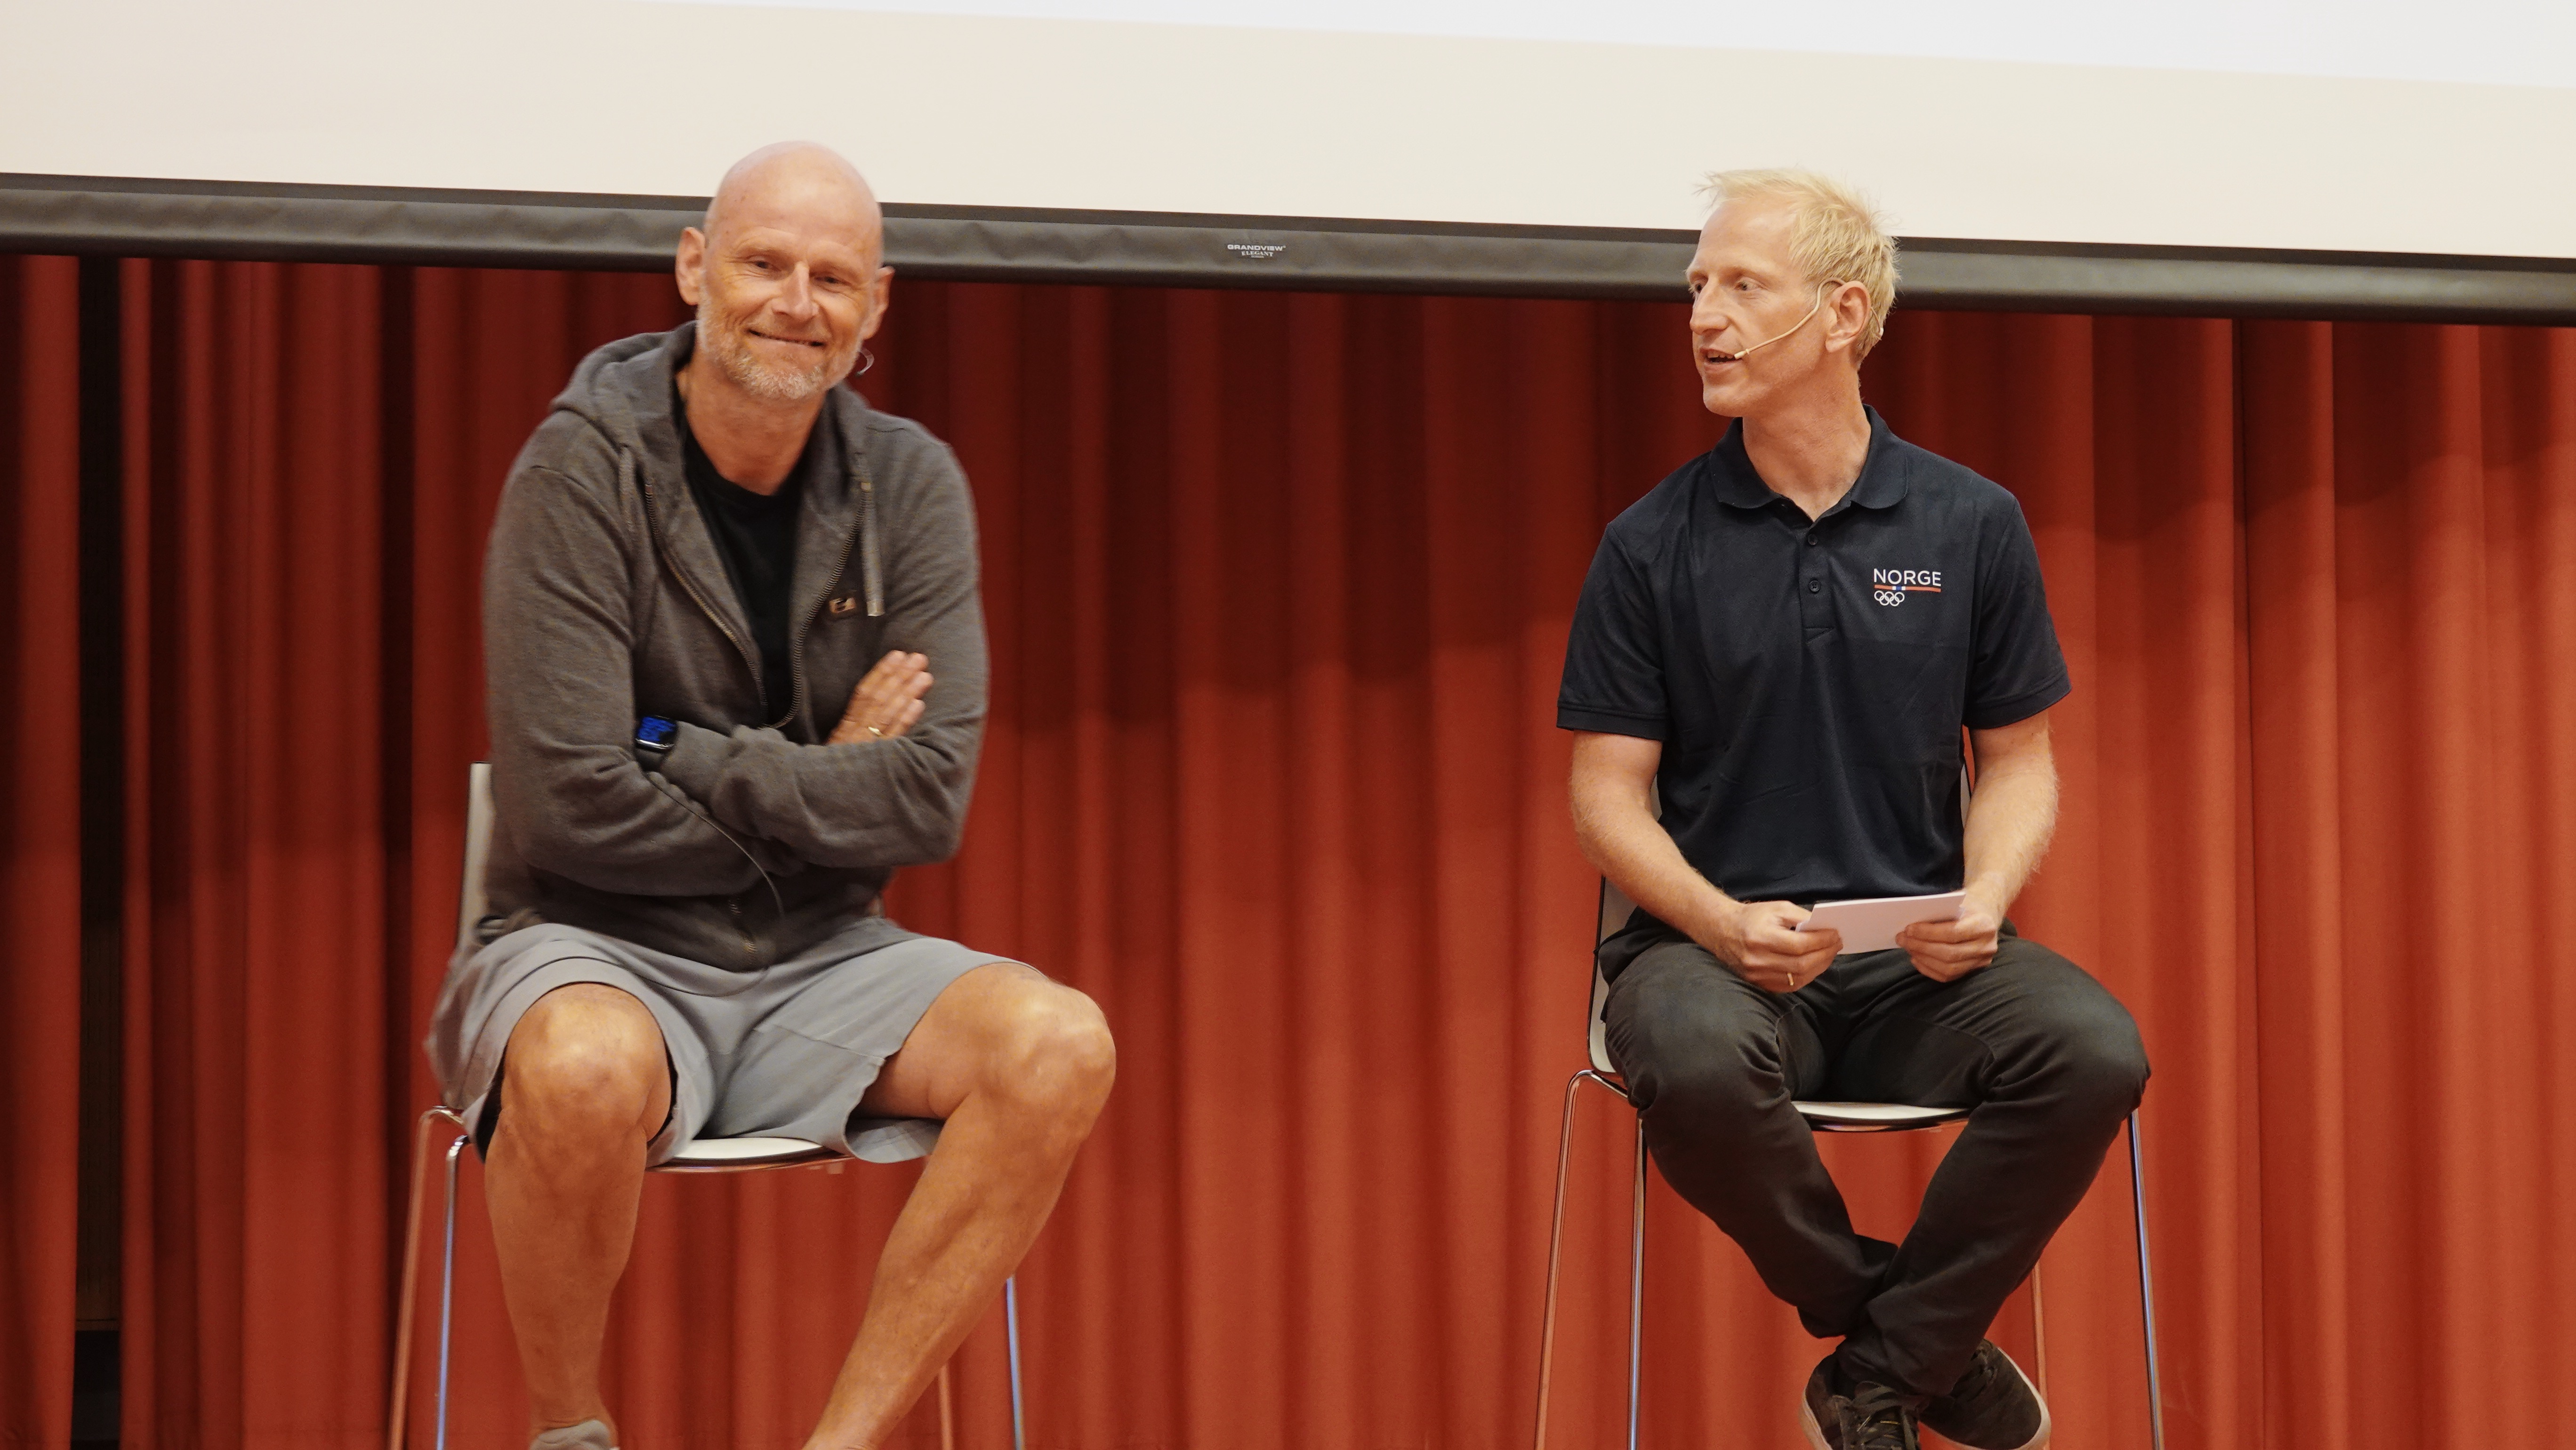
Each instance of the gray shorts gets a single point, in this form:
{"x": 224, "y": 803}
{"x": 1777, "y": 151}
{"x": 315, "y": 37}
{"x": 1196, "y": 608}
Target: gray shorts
{"x": 783, "y": 1053}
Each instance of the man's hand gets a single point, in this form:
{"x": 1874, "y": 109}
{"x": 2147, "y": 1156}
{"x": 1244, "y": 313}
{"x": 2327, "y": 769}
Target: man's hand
{"x": 1761, "y": 940}
{"x": 887, "y": 702}
{"x": 1945, "y": 951}
{"x": 1611, "y": 789}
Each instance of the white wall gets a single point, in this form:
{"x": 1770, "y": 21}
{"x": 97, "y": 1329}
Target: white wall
{"x": 656, "y": 96}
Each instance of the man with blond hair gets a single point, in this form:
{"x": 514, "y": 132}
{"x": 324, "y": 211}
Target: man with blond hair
{"x": 716, "y": 591}
{"x": 1777, "y": 651}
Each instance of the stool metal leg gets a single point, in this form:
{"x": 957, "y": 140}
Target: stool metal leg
{"x": 2039, "y": 1330}
{"x": 447, "y": 1286}
{"x": 396, "y": 1428}
{"x": 398, "y": 1399}
{"x": 1011, "y": 1335}
{"x": 1011, "y": 1325}
{"x": 1555, "y": 1243}
{"x": 1636, "y": 1283}
{"x": 2146, "y": 1285}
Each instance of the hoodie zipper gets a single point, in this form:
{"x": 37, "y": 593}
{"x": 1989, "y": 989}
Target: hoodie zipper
{"x": 865, "y": 537}
{"x": 662, "y": 547}
{"x": 796, "y": 635}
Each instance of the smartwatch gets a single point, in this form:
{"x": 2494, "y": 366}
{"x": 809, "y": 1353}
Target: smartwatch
{"x": 654, "y": 737}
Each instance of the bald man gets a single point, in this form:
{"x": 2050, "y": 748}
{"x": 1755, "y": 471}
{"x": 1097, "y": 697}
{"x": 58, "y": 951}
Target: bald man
{"x": 735, "y": 674}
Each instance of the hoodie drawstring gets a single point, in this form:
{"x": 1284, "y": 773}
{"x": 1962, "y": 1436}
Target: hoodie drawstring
{"x": 868, "y": 563}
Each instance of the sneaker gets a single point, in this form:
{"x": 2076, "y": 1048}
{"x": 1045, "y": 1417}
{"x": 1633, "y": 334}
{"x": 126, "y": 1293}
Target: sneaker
{"x": 1871, "y": 1417}
{"x": 1993, "y": 1406}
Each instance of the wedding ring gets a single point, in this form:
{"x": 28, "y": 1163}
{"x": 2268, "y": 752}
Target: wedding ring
{"x": 872, "y": 730}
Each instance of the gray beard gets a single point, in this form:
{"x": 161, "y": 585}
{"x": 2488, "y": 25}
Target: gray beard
{"x": 768, "y": 383}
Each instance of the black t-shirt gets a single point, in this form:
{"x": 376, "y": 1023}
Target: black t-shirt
{"x": 755, "y": 535}
{"x": 1808, "y": 679}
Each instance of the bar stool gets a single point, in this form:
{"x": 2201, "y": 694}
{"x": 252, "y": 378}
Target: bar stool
{"x": 706, "y": 1155}
{"x": 1823, "y": 1118}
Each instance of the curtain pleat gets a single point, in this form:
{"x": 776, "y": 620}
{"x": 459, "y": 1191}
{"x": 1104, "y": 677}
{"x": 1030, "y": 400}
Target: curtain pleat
{"x": 1278, "y": 588}
{"x": 40, "y": 902}
{"x": 256, "y": 855}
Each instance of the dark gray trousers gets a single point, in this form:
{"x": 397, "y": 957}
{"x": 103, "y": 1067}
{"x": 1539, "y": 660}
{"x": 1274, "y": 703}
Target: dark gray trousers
{"x": 2046, "y": 1056}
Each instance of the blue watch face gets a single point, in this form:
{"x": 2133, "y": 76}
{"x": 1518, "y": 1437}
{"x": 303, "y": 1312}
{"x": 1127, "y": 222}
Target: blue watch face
{"x": 656, "y": 732}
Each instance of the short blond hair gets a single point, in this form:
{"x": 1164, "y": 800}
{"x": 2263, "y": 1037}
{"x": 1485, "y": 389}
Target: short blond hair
{"x": 1834, "y": 233}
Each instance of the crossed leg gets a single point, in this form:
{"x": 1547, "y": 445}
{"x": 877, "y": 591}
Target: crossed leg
{"x": 2047, "y": 1057}
{"x": 1017, "y": 1066}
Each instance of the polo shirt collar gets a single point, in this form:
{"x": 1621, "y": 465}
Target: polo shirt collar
{"x": 1881, "y": 483}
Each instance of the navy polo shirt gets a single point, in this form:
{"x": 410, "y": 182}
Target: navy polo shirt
{"x": 1809, "y": 678}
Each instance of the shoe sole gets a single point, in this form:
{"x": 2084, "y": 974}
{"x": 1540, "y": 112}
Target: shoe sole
{"x": 1807, "y": 1422}
{"x": 2047, "y": 1426}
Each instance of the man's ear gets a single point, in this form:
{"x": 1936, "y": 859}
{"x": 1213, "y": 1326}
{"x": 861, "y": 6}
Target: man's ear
{"x": 882, "y": 299}
{"x": 689, "y": 266}
{"x": 1846, "y": 316}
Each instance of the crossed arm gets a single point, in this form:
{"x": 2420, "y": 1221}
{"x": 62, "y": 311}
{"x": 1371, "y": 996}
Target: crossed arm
{"x": 2010, "y": 819}
{"x": 733, "y": 805}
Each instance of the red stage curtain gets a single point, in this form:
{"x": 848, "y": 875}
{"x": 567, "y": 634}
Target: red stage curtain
{"x": 39, "y": 841}
{"x": 1278, "y": 588}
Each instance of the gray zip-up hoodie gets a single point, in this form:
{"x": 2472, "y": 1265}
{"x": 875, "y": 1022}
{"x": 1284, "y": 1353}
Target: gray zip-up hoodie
{"x": 604, "y": 601}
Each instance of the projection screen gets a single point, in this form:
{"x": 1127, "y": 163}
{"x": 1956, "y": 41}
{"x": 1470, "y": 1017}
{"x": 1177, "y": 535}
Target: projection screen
{"x": 2259, "y": 145}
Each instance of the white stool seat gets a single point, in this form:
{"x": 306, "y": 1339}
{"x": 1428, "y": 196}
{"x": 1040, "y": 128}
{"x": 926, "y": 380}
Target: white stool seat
{"x": 737, "y": 1154}
{"x": 1823, "y": 1117}
{"x": 1874, "y": 1117}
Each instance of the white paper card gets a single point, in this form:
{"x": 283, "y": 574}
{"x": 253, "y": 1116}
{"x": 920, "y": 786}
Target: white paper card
{"x": 1871, "y": 925}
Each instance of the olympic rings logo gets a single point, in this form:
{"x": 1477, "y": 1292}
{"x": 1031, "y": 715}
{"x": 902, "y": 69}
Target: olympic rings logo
{"x": 1890, "y": 597}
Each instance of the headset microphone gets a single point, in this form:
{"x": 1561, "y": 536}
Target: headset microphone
{"x": 1775, "y": 337}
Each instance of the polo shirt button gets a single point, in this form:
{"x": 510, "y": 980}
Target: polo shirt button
{"x": 1815, "y": 586}
{"x": 1811, "y": 541}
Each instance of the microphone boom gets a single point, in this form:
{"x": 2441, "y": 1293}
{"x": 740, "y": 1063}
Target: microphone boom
{"x": 1775, "y": 337}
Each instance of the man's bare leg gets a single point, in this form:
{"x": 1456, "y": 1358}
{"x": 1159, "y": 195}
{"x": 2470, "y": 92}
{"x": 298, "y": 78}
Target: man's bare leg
{"x": 1018, "y": 1068}
{"x": 586, "y": 1086}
